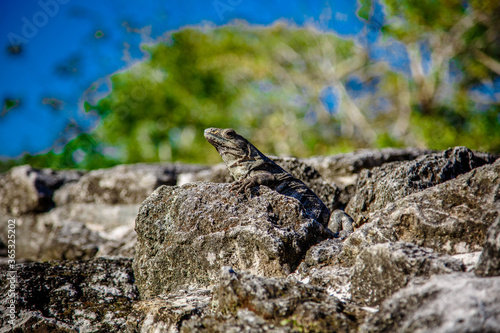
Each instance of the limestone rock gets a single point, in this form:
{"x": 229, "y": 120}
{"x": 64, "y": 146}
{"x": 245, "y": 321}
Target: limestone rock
{"x": 113, "y": 226}
{"x": 186, "y": 234}
{"x": 76, "y": 232}
{"x": 39, "y": 237}
{"x": 215, "y": 174}
{"x": 450, "y": 218}
{"x": 489, "y": 261}
{"x": 347, "y": 164}
{"x": 320, "y": 267}
{"x": 65, "y": 296}
{"x": 343, "y": 169}
{"x": 323, "y": 253}
{"x": 445, "y": 303}
{"x": 168, "y": 312}
{"x": 272, "y": 305}
{"x": 383, "y": 185}
{"x": 24, "y": 189}
{"x": 469, "y": 259}
{"x": 123, "y": 184}
{"x": 383, "y": 269}
{"x": 244, "y": 321}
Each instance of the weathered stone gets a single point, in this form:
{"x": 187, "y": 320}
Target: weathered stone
{"x": 449, "y": 218}
{"x": 90, "y": 296}
{"x": 253, "y": 303}
{"x": 469, "y": 260}
{"x": 381, "y": 270}
{"x": 112, "y": 224}
{"x": 244, "y": 321}
{"x": 44, "y": 237}
{"x": 215, "y": 174}
{"x": 189, "y": 232}
{"x": 383, "y": 185}
{"x": 320, "y": 267}
{"x": 186, "y": 234}
{"x": 323, "y": 254}
{"x": 168, "y": 312}
{"x": 119, "y": 244}
{"x": 489, "y": 262}
{"x": 457, "y": 302}
{"x": 76, "y": 232}
{"x": 24, "y": 189}
{"x": 123, "y": 184}
{"x": 343, "y": 169}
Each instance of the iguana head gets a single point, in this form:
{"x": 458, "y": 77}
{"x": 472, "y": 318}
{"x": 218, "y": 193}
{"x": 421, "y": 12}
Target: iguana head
{"x": 239, "y": 155}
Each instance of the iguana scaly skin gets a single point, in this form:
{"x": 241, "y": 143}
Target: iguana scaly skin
{"x": 250, "y": 168}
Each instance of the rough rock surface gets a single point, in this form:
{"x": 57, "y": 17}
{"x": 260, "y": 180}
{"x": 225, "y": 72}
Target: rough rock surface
{"x": 446, "y": 303}
{"x": 72, "y": 215}
{"x": 343, "y": 169}
{"x": 123, "y": 184}
{"x": 46, "y": 237}
{"x": 64, "y": 296}
{"x": 167, "y": 313}
{"x": 383, "y": 185}
{"x": 186, "y": 234}
{"x": 383, "y": 269}
{"x": 24, "y": 189}
{"x": 344, "y": 166}
{"x": 253, "y": 303}
{"x": 320, "y": 267}
{"x": 402, "y": 245}
{"x": 76, "y": 232}
{"x": 452, "y": 217}
{"x": 489, "y": 262}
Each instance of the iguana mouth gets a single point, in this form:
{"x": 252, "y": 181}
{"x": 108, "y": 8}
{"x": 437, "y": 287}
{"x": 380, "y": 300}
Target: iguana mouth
{"x": 216, "y": 137}
{"x": 213, "y": 138}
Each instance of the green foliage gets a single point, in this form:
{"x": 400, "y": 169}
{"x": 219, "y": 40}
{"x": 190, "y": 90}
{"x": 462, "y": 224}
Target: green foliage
{"x": 267, "y": 84}
{"x": 262, "y": 82}
{"x": 441, "y": 110}
{"x": 83, "y": 152}
{"x": 423, "y": 16}
{"x": 364, "y": 9}
{"x": 480, "y": 131}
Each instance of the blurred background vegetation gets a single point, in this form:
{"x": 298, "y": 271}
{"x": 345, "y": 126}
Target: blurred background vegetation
{"x": 302, "y": 92}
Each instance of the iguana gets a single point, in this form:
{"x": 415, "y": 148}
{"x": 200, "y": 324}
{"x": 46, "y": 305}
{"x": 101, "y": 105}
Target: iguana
{"x": 251, "y": 168}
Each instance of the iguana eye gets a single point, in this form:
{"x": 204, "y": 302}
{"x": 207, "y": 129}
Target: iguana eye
{"x": 230, "y": 133}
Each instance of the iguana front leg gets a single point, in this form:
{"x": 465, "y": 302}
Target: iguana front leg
{"x": 242, "y": 185}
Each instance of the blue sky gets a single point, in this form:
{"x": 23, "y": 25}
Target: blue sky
{"x": 68, "y": 49}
